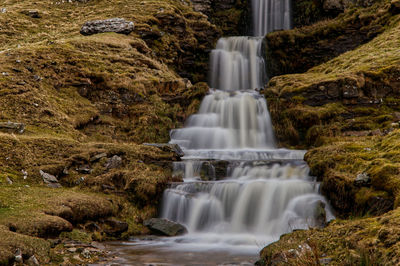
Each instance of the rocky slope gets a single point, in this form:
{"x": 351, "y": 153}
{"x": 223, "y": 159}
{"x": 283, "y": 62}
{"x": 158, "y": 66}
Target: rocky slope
{"x": 75, "y": 109}
{"x": 347, "y": 110}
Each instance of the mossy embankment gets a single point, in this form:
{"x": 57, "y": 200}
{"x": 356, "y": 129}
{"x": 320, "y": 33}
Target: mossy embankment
{"x": 302, "y": 48}
{"x": 88, "y": 103}
{"x": 346, "y": 112}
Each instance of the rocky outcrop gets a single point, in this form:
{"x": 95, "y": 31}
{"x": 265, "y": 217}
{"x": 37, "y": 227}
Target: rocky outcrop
{"x": 10, "y": 127}
{"x": 117, "y": 25}
{"x": 165, "y": 227}
{"x": 166, "y": 147}
{"x": 298, "y": 50}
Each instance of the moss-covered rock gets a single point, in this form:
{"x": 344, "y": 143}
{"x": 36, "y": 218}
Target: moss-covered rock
{"x": 300, "y": 49}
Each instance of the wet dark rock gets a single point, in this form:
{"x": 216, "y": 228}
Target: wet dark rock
{"x": 165, "y": 227}
{"x": 113, "y": 162}
{"x": 362, "y": 180}
{"x": 320, "y": 215}
{"x": 50, "y": 180}
{"x": 115, "y": 227}
{"x": 11, "y": 127}
{"x": 117, "y": 25}
{"x": 168, "y": 148}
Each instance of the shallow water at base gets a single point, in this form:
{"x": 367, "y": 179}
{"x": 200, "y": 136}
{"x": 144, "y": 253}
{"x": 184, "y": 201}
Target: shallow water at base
{"x": 161, "y": 251}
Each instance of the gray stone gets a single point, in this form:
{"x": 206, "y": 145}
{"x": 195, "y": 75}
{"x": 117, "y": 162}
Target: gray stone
{"x": 32, "y": 261}
{"x": 117, "y": 25}
{"x": 3, "y": 10}
{"x": 203, "y": 6}
{"x": 165, "y": 227}
{"x": 18, "y": 256}
{"x": 86, "y": 254}
{"x": 325, "y": 261}
{"x": 84, "y": 169}
{"x": 9, "y": 181}
{"x": 11, "y": 127}
{"x": 168, "y": 148}
{"x": 113, "y": 162}
{"x": 362, "y": 179}
{"x": 49, "y": 179}
{"x": 98, "y": 157}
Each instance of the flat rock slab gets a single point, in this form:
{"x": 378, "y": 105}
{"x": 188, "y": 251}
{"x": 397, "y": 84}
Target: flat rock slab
{"x": 167, "y": 147}
{"x": 117, "y": 25}
{"x": 11, "y": 127}
{"x": 165, "y": 227}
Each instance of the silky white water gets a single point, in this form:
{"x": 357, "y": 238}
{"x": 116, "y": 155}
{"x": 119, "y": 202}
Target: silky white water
{"x": 265, "y": 191}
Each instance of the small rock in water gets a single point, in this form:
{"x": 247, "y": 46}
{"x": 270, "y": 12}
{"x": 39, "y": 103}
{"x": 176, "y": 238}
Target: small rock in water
{"x": 320, "y": 215}
{"x": 165, "y": 227}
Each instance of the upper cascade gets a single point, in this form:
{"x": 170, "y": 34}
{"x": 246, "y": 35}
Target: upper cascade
{"x": 237, "y": 63}
{"x": 270, "y": 15}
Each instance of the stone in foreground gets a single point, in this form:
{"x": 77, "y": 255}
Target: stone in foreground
{"x": 117, "y": 25}
{"x": 165, "y": 227}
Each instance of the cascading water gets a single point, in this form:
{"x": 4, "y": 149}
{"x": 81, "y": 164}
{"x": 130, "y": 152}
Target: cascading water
{"x": 265, "y": 192}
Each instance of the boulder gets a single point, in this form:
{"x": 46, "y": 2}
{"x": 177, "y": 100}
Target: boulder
{"x": 168, "y": 148}
{"x": 113, "y": 162}
{"x": 49, "y": 179}
{"x": 117, "y": 25}
{"x": 11, "y": 127}
{"x": 115, "y": 227}
{"x": 165, "y": 227}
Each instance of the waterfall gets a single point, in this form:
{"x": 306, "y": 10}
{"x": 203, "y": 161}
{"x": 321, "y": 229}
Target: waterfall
{"x": 270, "y": 15}
{"x": 237, "y": 64}
{"x": 265, "y": 191}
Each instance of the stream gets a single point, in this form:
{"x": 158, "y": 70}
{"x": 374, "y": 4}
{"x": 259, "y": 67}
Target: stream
{"x": 262, "y": 193}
